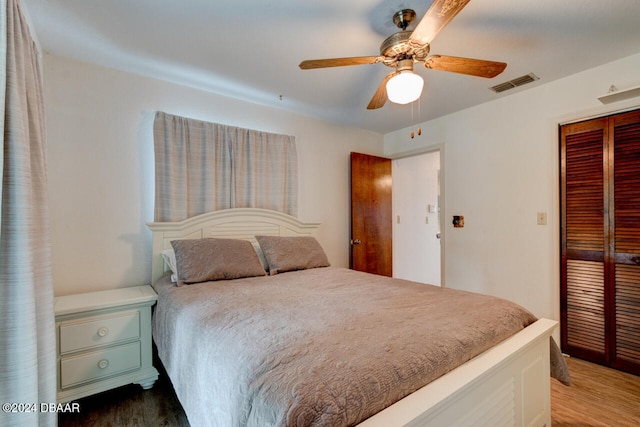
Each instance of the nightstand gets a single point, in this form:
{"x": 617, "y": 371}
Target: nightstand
{"x": 104, "y": 341}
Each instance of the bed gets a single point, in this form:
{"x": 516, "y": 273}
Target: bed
{"x": 319, "y": 345}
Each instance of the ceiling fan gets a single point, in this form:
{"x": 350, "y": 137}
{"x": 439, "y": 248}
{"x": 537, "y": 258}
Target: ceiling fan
{"x": 404, "y": 48}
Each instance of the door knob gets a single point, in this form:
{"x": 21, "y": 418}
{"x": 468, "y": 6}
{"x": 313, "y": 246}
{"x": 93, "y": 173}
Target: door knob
{"x": 355, "y": 242}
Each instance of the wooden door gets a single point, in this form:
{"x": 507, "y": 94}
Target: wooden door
{"x": 371, "y": 210}
{"x": 624, "y": 242}
{"x": 600, "y": 193}
{"x": 583, "y": 241}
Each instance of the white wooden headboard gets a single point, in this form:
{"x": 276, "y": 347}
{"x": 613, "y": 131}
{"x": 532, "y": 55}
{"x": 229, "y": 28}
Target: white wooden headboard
{"x": 238, "y": 223}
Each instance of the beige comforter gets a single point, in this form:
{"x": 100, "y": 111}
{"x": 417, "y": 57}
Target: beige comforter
{"x": 319, "y": 347}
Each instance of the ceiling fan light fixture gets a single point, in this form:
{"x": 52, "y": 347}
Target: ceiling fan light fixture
{"x": 404, "y": 87}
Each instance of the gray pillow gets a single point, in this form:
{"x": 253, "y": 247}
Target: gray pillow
{"x": 292, "y": 253}
{"x": 202, "y": 260}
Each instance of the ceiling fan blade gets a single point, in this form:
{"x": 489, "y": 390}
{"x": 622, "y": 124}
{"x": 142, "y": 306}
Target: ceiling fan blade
{"x": 436, "y": 18}
{"x": 472, "y": 67}
{"x": 339, "y": 62}
{"x": 380, "y": 97}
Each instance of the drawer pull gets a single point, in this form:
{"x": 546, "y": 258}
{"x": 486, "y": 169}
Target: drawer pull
{"x": 103, "y": 331}
{"x": 103, "y": 363}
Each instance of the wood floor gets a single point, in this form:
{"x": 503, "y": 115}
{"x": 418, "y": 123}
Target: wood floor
{"x": 598, "y": 397}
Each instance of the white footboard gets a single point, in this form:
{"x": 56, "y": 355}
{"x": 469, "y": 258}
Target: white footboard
{"x": 507, "y": 385}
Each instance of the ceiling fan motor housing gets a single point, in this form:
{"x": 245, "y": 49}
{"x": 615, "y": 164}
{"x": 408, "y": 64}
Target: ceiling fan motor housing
{"x": 398, "y": 46}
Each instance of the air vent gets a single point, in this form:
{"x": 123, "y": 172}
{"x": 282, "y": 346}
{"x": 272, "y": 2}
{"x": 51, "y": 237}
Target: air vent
{"x": 518, "y": 81}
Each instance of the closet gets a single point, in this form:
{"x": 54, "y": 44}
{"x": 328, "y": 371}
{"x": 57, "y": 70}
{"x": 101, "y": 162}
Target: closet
{"x": 600, "y": 240}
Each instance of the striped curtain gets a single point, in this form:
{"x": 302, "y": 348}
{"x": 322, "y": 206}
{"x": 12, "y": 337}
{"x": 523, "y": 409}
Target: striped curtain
{"x": 202, "y": 167}
{"x": 27, "y": 334}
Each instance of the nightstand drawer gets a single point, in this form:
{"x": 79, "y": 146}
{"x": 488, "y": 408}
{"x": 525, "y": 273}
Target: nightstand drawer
{"x": 99, "y": 331}
{"x": 99, "y": 364}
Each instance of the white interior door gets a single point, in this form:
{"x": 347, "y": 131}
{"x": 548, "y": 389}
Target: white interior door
{"x": 416, "y": 218}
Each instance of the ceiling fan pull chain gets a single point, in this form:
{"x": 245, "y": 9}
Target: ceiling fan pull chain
{"x": 412, "y": 121}
{"x": 419, "y": 115}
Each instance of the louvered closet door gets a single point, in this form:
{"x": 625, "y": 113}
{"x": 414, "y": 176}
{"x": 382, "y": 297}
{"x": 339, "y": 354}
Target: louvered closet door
{"x": 626, "y": 244}
{"x": 583, "y": 248}
{"x": 600, "y": 193}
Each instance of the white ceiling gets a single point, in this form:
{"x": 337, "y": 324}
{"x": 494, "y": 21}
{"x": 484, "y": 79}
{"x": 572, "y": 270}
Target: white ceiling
{"x": 250, "y": 49}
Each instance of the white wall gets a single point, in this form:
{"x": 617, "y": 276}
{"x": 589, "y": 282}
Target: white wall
{"x": 501, "y": 167}
{"x": 101, "y": 168}
{"x": 416, "y": 249}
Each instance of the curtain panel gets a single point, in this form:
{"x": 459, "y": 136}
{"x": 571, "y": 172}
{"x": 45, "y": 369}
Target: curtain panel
{"x": 203, "y": 166}
{"x": 27, "y": 334}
